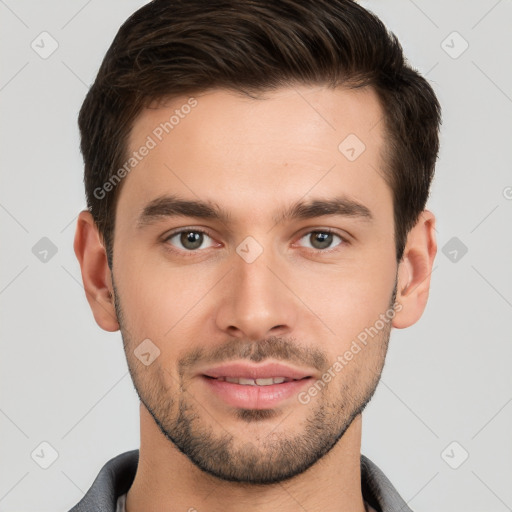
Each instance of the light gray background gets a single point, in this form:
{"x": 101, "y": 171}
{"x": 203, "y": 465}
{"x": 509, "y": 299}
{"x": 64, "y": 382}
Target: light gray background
{"x": 448, "y": 378}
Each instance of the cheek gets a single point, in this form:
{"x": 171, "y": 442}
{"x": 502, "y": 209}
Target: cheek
{"x": 350, "y": 297}
{"x": 159, "y": 300}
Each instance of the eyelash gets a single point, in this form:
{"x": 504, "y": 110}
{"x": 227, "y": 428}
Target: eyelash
{"x": 344, "y": 241}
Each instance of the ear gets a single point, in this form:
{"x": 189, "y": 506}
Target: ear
{"x": 92, "y": 256}
{"x": 414, "y": 271}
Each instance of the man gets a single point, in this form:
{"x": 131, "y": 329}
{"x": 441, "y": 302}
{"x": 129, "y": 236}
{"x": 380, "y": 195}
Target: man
{"x": 256, "y": 175}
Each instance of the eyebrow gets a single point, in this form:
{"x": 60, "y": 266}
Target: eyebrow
{"x": 173, "y": 206}
{"x": 342, "y": 206}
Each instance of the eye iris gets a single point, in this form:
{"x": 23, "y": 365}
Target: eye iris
{"x": 320, "y": 240}
{"x": 191, "y": 239}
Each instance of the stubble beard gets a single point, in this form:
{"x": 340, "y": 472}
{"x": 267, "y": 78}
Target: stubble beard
{"x": 277, "y": 457}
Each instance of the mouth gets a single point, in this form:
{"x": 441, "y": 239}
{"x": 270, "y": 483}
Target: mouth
{"x": 247, "y": 386}
{"x": 254, "y": 382}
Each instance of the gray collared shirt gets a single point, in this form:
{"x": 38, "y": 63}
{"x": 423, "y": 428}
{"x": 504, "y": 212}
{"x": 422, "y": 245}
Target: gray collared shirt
{"x": 116, "y": 477}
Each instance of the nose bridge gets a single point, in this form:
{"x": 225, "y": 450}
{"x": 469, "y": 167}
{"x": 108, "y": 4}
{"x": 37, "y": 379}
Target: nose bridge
{"x": 258, "y": 303}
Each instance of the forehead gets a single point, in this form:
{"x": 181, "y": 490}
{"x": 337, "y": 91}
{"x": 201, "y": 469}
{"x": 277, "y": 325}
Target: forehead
{"x": 246, "y": 150}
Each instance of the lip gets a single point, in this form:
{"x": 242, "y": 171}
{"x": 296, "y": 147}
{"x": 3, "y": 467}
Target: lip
{"x": 249, "y": 371}
{"x": 255, "y": 397}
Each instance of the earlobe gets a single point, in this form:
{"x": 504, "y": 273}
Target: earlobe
{"x": 96, "y": 276}
{"x": 414, "y": 271}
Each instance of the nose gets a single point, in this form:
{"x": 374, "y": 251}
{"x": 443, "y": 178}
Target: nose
{"x": 256, "y": 301}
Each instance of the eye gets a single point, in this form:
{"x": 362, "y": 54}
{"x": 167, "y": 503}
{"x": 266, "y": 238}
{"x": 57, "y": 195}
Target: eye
{"x": 320, "y": 240}
{"x": 190, "y": 240}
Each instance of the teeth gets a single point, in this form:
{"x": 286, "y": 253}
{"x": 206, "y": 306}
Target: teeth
{"x": 255, "y": 382}
{"x": 264, "y": 382}
{"x": 249, "y": 382}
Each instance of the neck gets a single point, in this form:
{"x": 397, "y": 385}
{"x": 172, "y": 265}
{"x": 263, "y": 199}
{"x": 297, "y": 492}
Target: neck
{"x": 166, "y": 481}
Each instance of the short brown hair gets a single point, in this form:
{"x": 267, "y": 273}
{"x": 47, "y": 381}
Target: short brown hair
{"x": 171, "y": 48}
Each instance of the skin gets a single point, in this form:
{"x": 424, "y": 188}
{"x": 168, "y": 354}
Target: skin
{"x": 254, "y": 158}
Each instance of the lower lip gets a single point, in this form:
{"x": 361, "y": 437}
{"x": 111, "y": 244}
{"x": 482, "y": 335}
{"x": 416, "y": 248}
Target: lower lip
{"x": 254, "y": 397}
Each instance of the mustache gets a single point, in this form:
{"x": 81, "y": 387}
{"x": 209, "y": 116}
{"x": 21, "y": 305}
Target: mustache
{"x": 273, "y": 347}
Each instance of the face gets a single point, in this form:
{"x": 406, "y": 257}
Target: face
{"x": 254, "y": 253}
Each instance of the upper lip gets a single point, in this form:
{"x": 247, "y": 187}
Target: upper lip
{"x": 251, "y": 371}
